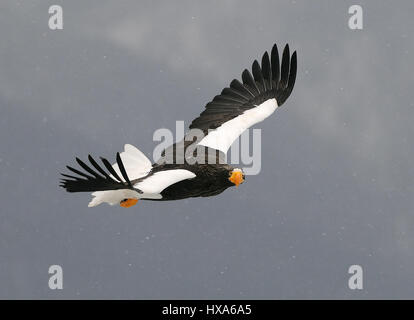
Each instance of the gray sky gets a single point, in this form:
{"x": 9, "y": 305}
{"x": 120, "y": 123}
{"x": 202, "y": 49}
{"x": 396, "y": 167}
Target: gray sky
{"x": 336, "y": 186}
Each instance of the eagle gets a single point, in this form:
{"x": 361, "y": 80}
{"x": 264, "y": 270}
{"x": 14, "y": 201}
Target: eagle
{"x": 195, "y": 166}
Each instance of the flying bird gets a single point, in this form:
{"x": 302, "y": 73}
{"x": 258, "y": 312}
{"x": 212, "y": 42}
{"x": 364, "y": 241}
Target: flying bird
{"x": 182, "y": 172}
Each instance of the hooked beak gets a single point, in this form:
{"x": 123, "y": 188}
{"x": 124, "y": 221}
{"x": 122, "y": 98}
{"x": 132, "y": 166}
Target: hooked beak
{"x": 236, "y": 178}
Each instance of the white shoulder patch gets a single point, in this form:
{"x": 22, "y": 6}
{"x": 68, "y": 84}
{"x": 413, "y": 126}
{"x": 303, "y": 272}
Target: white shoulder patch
{"x": 136, "y": 164}
{"x": 222, "y": 137}
{"x": 157, "y": 182}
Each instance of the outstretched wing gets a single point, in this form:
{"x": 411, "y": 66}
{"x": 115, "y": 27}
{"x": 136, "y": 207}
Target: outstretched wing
{"x": 242, "y": 105}
{"x": 130, "y": 165}
{"x": 97, "y": 179}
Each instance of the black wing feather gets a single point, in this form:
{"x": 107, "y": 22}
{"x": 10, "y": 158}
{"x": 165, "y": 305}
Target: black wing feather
{"x": 292, "y": 78}
{"x": 274, "y": 56}
{"x": 258, "y": 76}
{"x": 122, "y": 169}
{"x": 110, "y": 169}
{"x": 237, "y": 85}
{"x": 79, "y": 172}
{"x": 97, "y": 167}
{"x": 230, "y": 92}
{"x": 292, "y": 72}
{"x": 248, "y": 80}
{"x": 267, "y": 70}
{"x": 86, "y": 168}
{"x": 285, "y": 68}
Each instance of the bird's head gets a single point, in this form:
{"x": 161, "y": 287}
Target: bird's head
{"x": 236, "y": 176}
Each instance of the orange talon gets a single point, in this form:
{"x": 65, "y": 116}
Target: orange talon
{"x": 126, "y": 203}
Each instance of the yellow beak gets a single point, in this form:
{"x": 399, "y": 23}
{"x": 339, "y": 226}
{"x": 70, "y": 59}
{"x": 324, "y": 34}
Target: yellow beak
{"x": 128, "y": 203}
{"x": 236, "y": 178}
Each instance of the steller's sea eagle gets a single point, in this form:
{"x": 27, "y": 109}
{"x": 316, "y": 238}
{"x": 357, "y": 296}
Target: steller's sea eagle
{"x": 173, "y": 177}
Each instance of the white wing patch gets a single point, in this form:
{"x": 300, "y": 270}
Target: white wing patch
{"x": 157, "y": 182}
{"x": 136, "y": 164}
{"x": 222, "y": 137}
